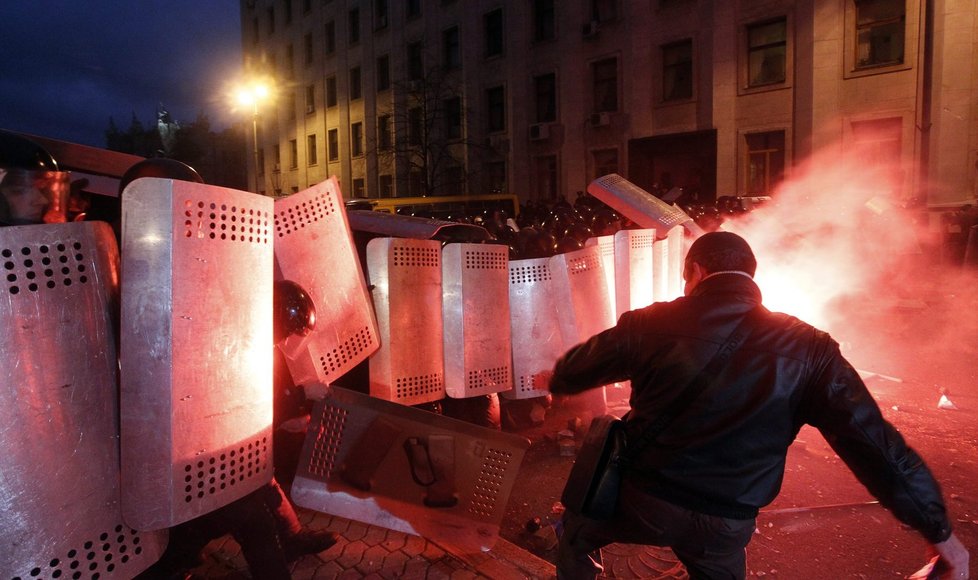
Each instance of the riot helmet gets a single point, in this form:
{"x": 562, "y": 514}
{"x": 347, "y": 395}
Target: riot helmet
{"x": 294, "y": 312}
{"x": 32, "y": 188}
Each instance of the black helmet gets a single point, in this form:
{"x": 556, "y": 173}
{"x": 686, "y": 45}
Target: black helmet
{"x": 294, "y": 312}
{"x": 159, "y": 167}
{"x": 32, "y": 189}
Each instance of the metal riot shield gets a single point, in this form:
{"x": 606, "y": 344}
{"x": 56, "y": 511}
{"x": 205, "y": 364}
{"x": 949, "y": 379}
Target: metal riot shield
{"x": 406, "y": 469}
{"x": 59, "y": 425}
{"x": 314, "y": 248}
{"x": 639, "y": 205}
{"x": 409, "y": 367}
{"x": 583, "y": 307}
{"x": 606, "y": 249}
{"x": 475, "y": 310}
{"x": 536, "y": 339}
{"x": 196, "y": 400}
{"x": 633, "y": 269}
{"x": 677, "y": 252}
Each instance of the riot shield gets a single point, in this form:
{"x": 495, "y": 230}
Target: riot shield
{"x": 535, "y": 330}
{"x": 60, "y": 467}
{"x": 406, "y": 469}
{"x": 314, "y": 248}
{"x": 634, "y": 272}
{"x": 475, "y": 309}
{"x": 677, "y": 252}
{"x": 640, "y": 206}
{"x": 607, "y": 249}
{"x": 196, "y": 396}
{"x": 406, "y": 277}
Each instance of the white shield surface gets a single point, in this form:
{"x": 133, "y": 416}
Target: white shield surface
{"x": 475, "y": 307}
{"x": 581, "y": 292}
{"x": 406, "y": 469}
{"x": 314, "y": 248}
{"x": 639, "y": 205}
{"x": 537, "y": 343}
{"x": 60, "y": 510}
{"x": 196, "y": 400}
{"x": 677, "y": 251}
{"x": 606, "y": 249}
{"x": 634, "y": 271}
{"x": 409, "y": 367}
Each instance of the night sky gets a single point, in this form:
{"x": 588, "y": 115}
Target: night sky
{"x": 67, "y": 66}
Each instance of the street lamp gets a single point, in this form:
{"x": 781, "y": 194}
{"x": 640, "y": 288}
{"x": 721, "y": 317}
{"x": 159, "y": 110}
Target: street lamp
{"x": 250, "y": 96}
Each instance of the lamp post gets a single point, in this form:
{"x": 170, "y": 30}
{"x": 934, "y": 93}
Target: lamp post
{"x": 250, "y": 96}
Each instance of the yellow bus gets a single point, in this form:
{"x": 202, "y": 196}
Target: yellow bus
{"x": 447, "y": 207}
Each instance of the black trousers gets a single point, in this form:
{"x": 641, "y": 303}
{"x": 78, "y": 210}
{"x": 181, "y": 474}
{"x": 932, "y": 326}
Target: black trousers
{"x": 709, "y": 546}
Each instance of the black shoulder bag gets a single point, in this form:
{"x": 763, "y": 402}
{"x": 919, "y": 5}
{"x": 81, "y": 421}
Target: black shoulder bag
{"x": 593, "y": 484}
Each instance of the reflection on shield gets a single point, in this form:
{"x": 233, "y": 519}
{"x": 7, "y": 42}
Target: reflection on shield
{"x": 633, "y": 270}
{"x": 533, "y": 322}
{"x": 607, "y": 249}
{"x": 475, "y": 307}
{"x": 314, "y": 248}
{"x": 676, "y": 238}
{"x": 60, "y": 466}
{"x": 196, "y": 399}
{"x": 408, "y": 470}
{"x": 406, "y": 278}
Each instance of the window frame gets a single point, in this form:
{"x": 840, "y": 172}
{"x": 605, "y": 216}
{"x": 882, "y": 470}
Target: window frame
{"x": 911, "y": 28}
{"x": 663, "y": 48}
{"x": 745, "y": 55}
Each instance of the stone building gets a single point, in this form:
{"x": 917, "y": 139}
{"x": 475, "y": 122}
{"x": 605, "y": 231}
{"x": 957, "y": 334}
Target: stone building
{"x": 538, "y": 97}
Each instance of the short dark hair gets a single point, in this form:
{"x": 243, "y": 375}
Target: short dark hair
{"x": 721, "y": 252}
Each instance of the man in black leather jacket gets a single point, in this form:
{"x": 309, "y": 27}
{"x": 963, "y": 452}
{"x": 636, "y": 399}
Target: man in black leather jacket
{"x": 698, "y": 486}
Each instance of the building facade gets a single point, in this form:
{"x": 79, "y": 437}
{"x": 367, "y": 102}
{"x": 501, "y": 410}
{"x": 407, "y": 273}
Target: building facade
{"x": 538, "y": 97}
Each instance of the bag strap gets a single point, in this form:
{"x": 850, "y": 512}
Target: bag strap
{"x": 696, "y": 387}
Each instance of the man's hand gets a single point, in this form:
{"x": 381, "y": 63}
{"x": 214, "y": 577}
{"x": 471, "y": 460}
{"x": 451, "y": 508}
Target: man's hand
{"x": 953, "y": 560}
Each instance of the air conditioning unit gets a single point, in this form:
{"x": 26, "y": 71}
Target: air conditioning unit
{"x": 539, "y": 132}
{"x": 589, "y": 29}
{"x": 599, "y": 119}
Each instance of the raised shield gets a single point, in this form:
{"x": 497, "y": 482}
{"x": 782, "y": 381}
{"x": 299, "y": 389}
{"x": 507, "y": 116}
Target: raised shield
{"x": 406, "y": 469}
{"x": 475, "y": 307}
{"x": 314, "y": 248}
{"x": 196, "y": 399}
{"x": 536, "y": 338}
{"x": 59, "y": 487}
{"x": 409, "y": 367}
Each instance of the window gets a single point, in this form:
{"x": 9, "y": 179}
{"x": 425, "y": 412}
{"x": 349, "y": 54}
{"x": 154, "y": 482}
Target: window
{"x": 356, "y": 90}
{"x": 496, "y": 109}
{"x": 287, "y": 5}
{"x": 543, "y": 20}
{"x": 289, "y": 62}
{"x": 878, "y": 147}
{"x": 290, "y": 102}
{"x": 383, "y": 72}
{"x": 545, "y": 177}
{"x": 415, "y": 125}
{"x": 330, "y": 37}
{"x": 605, "y": 162}
{"x": 277, "y": 158}
{"x": 310, "y": 99}
{"x": 254, "y": 31}
{"x": 354, "y": 26}
{"x": 605, "y": 78}
{"x": 451, "y": 51}
{"x": 356, "y": 139}
{"x": 415, "y": 183}
{"x": 765, "y": 161}
{"x": 492, "y": 24}
{"x": 333, "y": 144}
{"x": 604, "y": 10}
{"x": 270, "y": 18}
{"x": 880, "y": 28}
{"x": 386, "y": 185}
{"x": 766, "y": 53}
{"x": 413, "y": 8}
{"x": 380, "y": 14}
{"x": 261, "y": 161}
{"x": 677, "y": 71}
{"x": 545, "y": 97}
{"x": 415, "y": 58}
{"x": 293, "y": 154}
{"x": 384, "y": 135}
{"x": 358, "y": 188}
{"x": 453, "y": 117}
{"x": 495, "y": 176}
{"x": 331, "y": 92}
{"x": 307, "y": 48}
{"x": 312, "y": 155}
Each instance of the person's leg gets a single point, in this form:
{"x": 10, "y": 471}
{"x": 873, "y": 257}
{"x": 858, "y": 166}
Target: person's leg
{"x": 579, "y": 548}
{"x": 296, "y": 541}
{"x": 715, "y": 548}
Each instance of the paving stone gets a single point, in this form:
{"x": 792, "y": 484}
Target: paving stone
{"x": 396, "y": 560}
{"x": 395, "y": 541}
{"x": 375, "y": 535}
{"x": 373, "y": 560}
{"x": 416, "y": 570}
{"x": 355, "y": 531}
{"x": 432, "y": 552}
{"x": 352, "y": 555}
{"x": 414, "y": 545}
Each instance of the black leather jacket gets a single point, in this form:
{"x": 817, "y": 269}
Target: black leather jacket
{"x": 725, "y": 454}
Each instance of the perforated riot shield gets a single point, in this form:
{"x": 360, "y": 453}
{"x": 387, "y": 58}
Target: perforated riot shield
{"x": 409, "y": 367}
{"x": 537, "y": 343}
{"x": 606, "y": 249}
{"x": 634, "y": 271}
{"x": 475, "y": 308}
{"x": 314, "y": 248}
{"x": 583, "y": 304}
{"x": 405, "y": 469}
{"x": 677, "y": 252}
{"x": 59, "y": 486}
{"x": 639, "y": 205}
{"x": 196, "y": 398}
